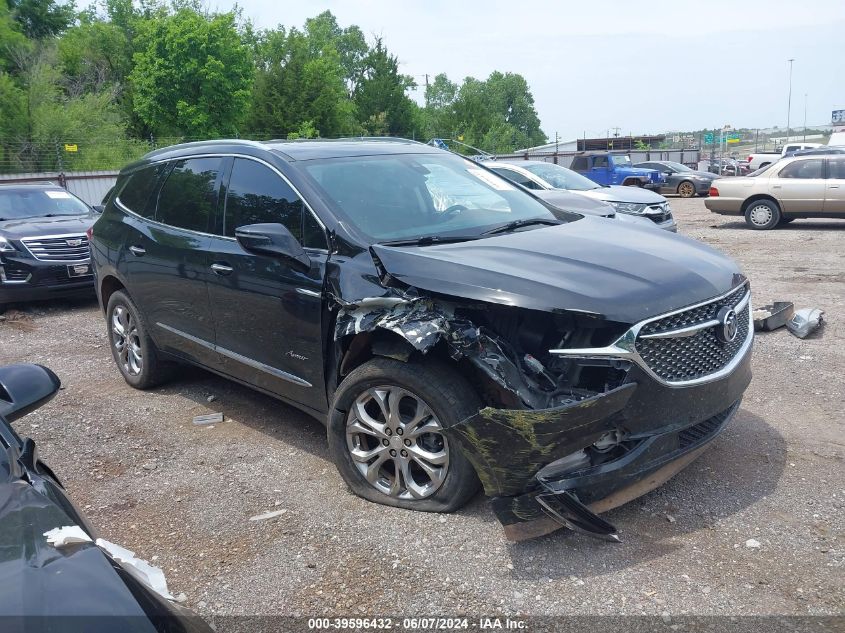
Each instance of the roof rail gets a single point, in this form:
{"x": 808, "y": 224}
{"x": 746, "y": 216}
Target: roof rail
{"x": 195, "y": 144}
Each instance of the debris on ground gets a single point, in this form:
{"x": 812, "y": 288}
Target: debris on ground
{"x": 67, "y": 535}
{"x": 211, "y": 398}
{"x": 771, "y": 317}
{"x": 752, "y": 543}
{"x": 209, "y": 418}
{"x": 805, "y": 321}
{"x": 268, "y": 515}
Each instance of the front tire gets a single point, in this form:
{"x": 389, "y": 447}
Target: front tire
{"x": 131, "y": 346}
{"x": 762, "y": 215}
{"x": 686, "y": 189}
{"x": 384, "y": 434}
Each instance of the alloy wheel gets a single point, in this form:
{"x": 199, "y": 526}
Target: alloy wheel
{"x": 126, "y": 340}
{"x": 396, "y": 443}
{"x": 687, "y": 190}
{"x": 760, "y": 215}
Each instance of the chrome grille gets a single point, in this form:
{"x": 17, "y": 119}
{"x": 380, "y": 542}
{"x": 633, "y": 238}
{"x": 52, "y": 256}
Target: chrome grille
{"x": 697, "y": 355}
{"x": 658, "y": 213}
{"x": 58, "y": 248}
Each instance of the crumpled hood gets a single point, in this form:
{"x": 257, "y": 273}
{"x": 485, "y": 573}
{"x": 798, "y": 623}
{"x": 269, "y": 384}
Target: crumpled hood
{"x": 31, "y": 227}
{"x": 618, "y": 193}
{"x": 624, "y": 272}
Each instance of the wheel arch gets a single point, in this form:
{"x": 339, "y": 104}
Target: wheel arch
{"x": 757, "y": 197}
{"x": 108, "y": 286}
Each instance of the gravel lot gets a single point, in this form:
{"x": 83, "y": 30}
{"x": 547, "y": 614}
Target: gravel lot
{"x": 182, "y": 496}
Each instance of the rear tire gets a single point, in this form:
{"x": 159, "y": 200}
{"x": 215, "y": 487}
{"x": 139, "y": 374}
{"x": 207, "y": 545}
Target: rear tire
{"x": 686, "y": 189}
{"x": 762, "y": 215}
{"x": 132, "y": 348}
{"x": 375, "y": 432}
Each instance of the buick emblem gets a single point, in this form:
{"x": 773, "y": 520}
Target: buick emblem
{"x": 728, "y": 325}
{"x": 74, "y": 242}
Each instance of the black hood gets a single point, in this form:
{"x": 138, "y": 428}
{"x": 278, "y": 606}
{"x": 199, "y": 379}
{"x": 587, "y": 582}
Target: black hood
{"x": 59, "y": 225}
{"x": 623, "y": 272}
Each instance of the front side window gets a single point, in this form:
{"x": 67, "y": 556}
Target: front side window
{"x": 837, "y": 168}
{"x": 562, "y": 178}
{"x": 515, "y": 176}
{"x": 410, "y": 196}
{"x": 188, "y": 198}
{"x": 600, "y": 162}
{"x": 803, "y": 169}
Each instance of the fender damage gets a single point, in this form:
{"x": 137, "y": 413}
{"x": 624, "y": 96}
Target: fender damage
{"x": 555, "y": 444}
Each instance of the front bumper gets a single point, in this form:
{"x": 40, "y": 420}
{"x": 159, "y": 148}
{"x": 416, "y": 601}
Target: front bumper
{"x": 28, "y": 279}
{"x": 532, "y": 464}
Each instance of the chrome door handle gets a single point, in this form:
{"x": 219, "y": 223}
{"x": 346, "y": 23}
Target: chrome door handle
{"x": 221, "y": 269}
{"x": 137, "y": 251}
{"x": 833, "y": 186}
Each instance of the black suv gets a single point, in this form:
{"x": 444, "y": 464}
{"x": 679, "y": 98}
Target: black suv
{"x": 446, "y": 325}
{"x": 43, "y": 243}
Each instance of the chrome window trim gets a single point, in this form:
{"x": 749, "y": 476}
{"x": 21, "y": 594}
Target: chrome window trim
{"x": 624, "y": 348}
{"x": 123, "y": 207}
{"x": 57, "y": 237}
{"x": 238, "y": 357}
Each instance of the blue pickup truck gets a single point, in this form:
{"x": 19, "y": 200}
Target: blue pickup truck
{"x": 609, "y": 168}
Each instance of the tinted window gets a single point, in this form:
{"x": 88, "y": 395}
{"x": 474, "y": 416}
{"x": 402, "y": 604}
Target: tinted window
{"x": 579, "y": 164}
{"x": 600, "y": 162}
{"x": 836, "y": 168}
{"x": 139, "y": 186}
{"x": 188, "y": 198}
{"x": 803, "y": 169}
{"x": 257, "y": 195}
{"x": 516, "y": 177}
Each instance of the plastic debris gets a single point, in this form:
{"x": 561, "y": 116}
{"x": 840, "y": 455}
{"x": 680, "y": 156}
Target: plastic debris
{"x": 150, "y": 575}
{"x": 752, "y": 543}
{"x": 771, "y": 317}
{"x": 67, "y": 535}
{"x": 268, "y": 515}
{"x": 805, "y": 321}
{"x": 210, "y": 418}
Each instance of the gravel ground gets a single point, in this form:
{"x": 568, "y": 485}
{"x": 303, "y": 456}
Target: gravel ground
{"x": 182, "y": 495}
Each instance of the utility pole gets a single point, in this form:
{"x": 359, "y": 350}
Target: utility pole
{"x": 789, "y": 99}
{"x": 805, "y": 117}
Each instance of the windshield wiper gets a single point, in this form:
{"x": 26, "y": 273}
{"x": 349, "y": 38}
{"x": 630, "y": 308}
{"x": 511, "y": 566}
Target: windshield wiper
{"x": 518, "y": 224}
{"x": 427, "y": 240}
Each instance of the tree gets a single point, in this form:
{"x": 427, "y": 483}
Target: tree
{"x": 298, "y": 86}
{"x": 323, "y": 32}
{"x": 42, "y": 18}
{"x": 382, "y": 91}
{"x": 192, "y": 74}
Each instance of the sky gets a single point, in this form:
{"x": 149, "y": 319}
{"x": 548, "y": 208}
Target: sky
{"x": 642, "y": 66}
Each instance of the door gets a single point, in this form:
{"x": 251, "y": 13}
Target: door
{"x": 166, "y": 259}
{"x": 834, "y": 196}
{"x": 800, "y": 186}
{"x": 600, "y": 171}
{"x": 267, "y": 310}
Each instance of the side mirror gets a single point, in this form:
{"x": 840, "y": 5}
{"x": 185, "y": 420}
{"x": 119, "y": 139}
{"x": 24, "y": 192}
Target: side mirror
{"x": 24, "y": 388}
{"x": 99, "y": 208}
{"x": 272, "y": 239}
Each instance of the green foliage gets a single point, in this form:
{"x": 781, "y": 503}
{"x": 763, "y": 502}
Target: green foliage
{"x": 192, "y": 74}
{"x": 41, "y": 18}
{"x": 122, "y": 72}
{"x": 380, "y": 94}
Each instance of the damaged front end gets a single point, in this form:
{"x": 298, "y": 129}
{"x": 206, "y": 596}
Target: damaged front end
{"x": 579, "y": 416}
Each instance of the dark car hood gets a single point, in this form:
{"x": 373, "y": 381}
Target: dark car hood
{"x": 563, "y": 199}
{"x": 63, "y": 225}
{"x": 624, "y": 272}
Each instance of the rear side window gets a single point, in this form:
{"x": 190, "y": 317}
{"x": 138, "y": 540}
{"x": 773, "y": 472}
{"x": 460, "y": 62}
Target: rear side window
{"x": 803, "y": 169}
{"x": 580, "y": 163}
{"x": 516, "y": 177}
{"x": 188, "y": 198}
{"x": 136, "y": 192}
{"x": 257, "y": 195}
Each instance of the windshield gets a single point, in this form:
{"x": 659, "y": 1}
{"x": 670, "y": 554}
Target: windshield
{"x": 410, "y": 196}
{"x": 561, "y": 177}
{"x": 676, "y": 166}
{"x": 18, "y": 204}
{"x": 621, "y": 161}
